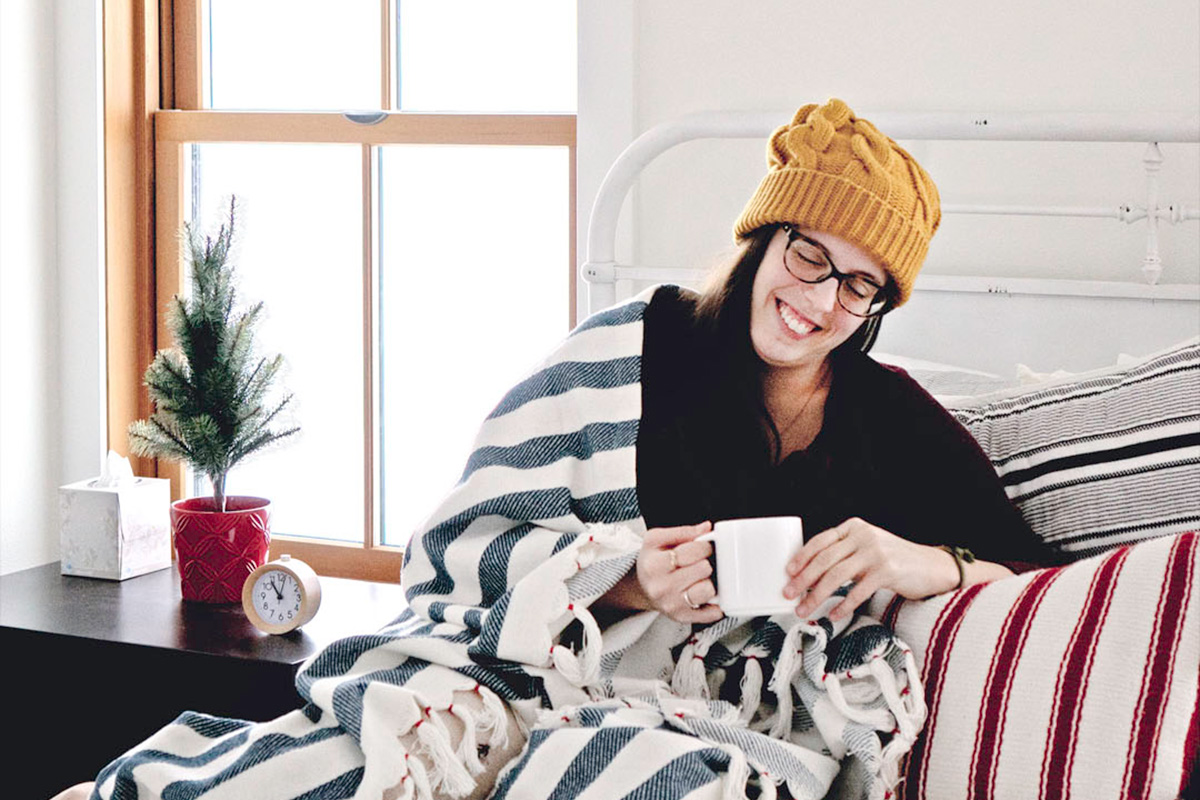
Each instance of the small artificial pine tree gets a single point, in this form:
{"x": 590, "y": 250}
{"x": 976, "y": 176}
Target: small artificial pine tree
{"x": 209, "y": 391}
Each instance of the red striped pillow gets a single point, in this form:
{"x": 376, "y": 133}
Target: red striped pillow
{"x": 1076, "y": 681}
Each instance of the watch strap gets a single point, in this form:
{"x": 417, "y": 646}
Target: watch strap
{"x": 962, "y": 556}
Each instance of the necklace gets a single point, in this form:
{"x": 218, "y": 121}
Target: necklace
{"x": 822, "y": 384}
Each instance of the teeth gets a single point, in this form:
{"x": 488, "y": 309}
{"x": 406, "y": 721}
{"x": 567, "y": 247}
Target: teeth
{"x": 792, "y": 321}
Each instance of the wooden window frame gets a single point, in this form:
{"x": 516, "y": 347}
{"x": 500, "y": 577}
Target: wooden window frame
{"x": 150, "y": 121}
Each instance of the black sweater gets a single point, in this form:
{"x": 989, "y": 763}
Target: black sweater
{"x": 887, "y": 452}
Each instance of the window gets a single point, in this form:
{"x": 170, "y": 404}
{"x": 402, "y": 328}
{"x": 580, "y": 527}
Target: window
{"x": 405, "y": 176}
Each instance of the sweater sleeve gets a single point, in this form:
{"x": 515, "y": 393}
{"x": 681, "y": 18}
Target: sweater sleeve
{"x": 936, "y": 484}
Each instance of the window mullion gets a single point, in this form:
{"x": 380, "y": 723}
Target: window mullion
{"x": 370, "y": 253}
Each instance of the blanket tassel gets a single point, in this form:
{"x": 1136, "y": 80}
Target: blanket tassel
{"x": 688, "y": 679}
{"x": 737, "y": 777}
{"x": 446, "y": 771}
{"x": 751, "y": 686}
{"x": 415, "y": 783}
{"x": 584, "y": 667}
{"x": 468, "y": 747}
{"x": 786, "y": 665}
{"x": 494, "y": 719}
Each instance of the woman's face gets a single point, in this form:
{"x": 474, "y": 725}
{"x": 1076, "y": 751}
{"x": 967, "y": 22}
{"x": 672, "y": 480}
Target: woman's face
{"x": 795, "y": 324}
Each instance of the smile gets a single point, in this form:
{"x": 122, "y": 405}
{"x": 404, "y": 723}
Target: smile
{"x": 793, "y": 321}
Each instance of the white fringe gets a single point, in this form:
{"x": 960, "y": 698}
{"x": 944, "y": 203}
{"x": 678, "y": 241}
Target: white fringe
{"x": 468, "y": 747}
{"x": 688, "y": 680}
{"x": 737, "y": 778}
{"x": 751, "y": 686}
{"x": 446, "y": 772}
{"x": 494, "y": 719}
{"x": 420, "y": 778}
{"x": 786, "y": 667}
{"x": 583, "y": 667}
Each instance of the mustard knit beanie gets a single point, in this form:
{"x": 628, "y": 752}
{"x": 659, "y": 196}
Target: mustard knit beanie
{"x": 830, "y": 171}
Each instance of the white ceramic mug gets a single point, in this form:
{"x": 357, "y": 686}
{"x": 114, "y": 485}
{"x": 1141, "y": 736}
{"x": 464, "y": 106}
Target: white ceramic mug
{"x": 752, "y": 556}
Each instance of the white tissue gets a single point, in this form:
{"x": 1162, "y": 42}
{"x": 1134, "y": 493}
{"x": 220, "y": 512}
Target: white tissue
{"x": 116, "y": 471}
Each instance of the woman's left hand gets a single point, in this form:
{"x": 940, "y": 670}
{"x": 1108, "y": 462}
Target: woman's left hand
{"x": 871, "y": 557}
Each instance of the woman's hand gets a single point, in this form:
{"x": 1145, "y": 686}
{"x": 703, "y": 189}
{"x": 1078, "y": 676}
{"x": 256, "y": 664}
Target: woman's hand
{"x": 669, "y": 565}
{"x": 871, "y": 557}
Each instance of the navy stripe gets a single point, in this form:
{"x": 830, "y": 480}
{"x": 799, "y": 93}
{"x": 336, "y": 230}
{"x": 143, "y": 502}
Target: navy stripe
{"x": 333, "y": 659}
{"x": 615, "y": 506}
{"x": 536, "y": 739}
{"x": 683, "y": 775}
{"x": 567, "y": 375}
{"x": 347, "y": 699}
{"x": 210, "y": 727}
{"x": 619, "y": 505}
{"x": 591, "y": 760}
{"x": 489, "y": 636}
{"x": 508, "y": 680}
{"x": 540, "y": 451}
{"x": 1147, "y": 428}
{"x": 269, "y": 746}
{"x": 1125, "y": 473}
{"x": 1187, "y": 518}
{"x": 493, "y": 564}
{"x": 532, "y": 505}
{"x": 1102, "y": 456}
{"x": 609, "y": 317}
{"x": 344, "y": 785}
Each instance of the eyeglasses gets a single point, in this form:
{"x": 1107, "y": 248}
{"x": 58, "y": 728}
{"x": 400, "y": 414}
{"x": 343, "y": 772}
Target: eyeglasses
{"x": 808, "y": 262}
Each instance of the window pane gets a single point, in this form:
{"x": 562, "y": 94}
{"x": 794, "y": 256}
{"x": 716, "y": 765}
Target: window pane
{"x": 299, "y": 250}
{"x": 483, "y": 55}
{"x": 475, "y": 280}
{"x": 310, "y": 55}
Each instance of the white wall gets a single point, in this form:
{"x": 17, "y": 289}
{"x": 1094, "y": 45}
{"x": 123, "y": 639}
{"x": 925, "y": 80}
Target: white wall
{"x": 29, "y": 398}
{"x": 51, "y": 299}
{"x": 1026, "y": 55}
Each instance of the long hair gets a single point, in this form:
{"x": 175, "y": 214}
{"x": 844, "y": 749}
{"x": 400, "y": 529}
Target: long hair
{"x": 723, "y": 311}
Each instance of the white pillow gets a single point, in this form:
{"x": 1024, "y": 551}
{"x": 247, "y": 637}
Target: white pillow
{"x": 945, "y": 381}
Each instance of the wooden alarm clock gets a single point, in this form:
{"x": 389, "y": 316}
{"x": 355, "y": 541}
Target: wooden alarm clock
{"x": 281, "y": 595}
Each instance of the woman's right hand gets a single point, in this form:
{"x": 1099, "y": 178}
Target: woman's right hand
{"x": 669, "y": 565}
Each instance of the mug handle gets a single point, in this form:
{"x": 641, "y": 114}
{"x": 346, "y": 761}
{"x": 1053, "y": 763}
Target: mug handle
{"x": 711, "y": 536}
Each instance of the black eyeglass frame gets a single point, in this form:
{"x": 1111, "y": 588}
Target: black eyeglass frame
{"x": 879, "y": 305}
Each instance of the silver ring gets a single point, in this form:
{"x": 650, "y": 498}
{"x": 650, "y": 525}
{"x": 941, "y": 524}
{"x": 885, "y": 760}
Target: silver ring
{"x": 674, "y": 560}
{"x": 688, "y": 600}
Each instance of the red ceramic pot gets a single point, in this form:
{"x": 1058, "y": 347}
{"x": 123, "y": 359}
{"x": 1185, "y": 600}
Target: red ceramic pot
{"x": 217, "y": 550}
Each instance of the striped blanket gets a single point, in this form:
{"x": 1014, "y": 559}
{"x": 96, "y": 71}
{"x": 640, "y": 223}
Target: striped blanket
{"x": 499, "y": 581}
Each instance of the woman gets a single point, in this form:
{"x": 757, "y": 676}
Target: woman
{"x": 833, "y": 239}
{"x": 578, "y": 508}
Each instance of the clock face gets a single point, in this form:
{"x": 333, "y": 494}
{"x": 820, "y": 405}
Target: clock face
{"x": 276, "y": 597}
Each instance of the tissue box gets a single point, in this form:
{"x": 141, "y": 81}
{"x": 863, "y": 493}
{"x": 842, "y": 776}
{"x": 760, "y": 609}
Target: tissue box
{"x": 115, "y": 532}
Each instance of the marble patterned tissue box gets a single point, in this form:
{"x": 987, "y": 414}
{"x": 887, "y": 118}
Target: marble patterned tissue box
{"x": 115, "y": 532}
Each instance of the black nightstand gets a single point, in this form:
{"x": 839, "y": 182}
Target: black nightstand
{"x": 92, "y": 667}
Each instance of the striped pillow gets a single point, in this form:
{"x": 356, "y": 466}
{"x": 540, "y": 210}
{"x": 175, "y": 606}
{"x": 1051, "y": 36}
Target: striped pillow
{"x": 1100, "y": 459}
{"x": 1074, "y": 681}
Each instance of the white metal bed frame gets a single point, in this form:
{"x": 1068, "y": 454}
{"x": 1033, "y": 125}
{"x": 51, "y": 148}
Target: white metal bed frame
{"x": 601, "y": 271}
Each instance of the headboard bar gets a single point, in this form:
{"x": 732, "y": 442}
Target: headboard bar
{"x": 601, "y": 271}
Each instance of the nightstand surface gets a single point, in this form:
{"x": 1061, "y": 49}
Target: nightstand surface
{"x": 149, "y": 611}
